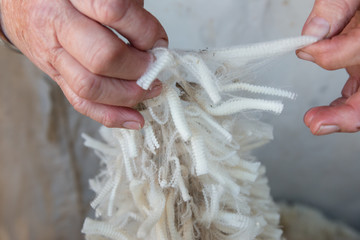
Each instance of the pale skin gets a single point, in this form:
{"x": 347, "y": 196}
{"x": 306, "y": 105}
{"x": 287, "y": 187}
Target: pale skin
{"x": 97, "y": 71}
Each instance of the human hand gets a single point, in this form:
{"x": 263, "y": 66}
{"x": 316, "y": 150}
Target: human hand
{"x": 337, "y": 23}
{"x": 95, "y": 69}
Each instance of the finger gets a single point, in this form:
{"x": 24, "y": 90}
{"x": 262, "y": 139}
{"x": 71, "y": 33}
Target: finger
{"x": 100, "y": 89}
{"x": 329, "y": 17}
{"x": 338, "y": 52}
{"x": 98, "y": 49}
{"x": 128, "y": 18}
{"x": 338, "y": 118}
{"x": 109, "y": 116}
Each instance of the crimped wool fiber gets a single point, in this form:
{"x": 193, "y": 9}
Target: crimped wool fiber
{"x": 189, "y": 173}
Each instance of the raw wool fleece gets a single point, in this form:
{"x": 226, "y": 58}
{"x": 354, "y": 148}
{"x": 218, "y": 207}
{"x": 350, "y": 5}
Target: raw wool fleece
{"x": 304, "y": 223}
{"x": 189, "y": 173}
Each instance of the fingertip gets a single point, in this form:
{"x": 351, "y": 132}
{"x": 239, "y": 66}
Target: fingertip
{"x": 164, "y": 43}
{"x": 154, "y": 90}
{"x": 129, "y": 119}
{"x": 155, "y": 84}
{"x": 320, "y": 121}
{"x": 309, "y": 116}
{"x": 317, "y": 27}
{"x": 329, "y": 17}
{"x": 330, "y": 119}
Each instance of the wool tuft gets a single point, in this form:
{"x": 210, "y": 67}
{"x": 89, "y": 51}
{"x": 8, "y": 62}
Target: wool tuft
{"x": 189, "y": 173}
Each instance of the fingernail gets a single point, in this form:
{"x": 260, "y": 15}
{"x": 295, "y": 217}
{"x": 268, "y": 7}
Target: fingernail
{"x": 154, "y": 91}
{"x": 155, "y": 83}
{"x": 161, "y": 43}
{"x": 305, "y": 56}
{"x": 132, "y": 125}
{"x": 327, "y": 129}
{"x": 317, "y": 27}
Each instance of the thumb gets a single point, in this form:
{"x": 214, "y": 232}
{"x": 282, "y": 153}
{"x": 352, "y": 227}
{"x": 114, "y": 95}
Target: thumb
{"x": 329, "y": 17}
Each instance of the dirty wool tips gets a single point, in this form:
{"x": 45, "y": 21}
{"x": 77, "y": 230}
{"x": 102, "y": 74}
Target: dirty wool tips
{"x": 189, "y": 174}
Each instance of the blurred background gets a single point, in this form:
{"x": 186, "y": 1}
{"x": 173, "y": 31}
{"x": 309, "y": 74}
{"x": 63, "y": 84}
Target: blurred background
{"x": 44, "y": 168}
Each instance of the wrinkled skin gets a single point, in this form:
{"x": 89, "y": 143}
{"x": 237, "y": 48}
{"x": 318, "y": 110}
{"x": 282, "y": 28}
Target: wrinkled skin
{"x": 96, "y": 70}
{"x": 337, "y": 22}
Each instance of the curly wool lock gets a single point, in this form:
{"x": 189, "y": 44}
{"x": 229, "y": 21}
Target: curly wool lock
{"x": 189, "y": 173}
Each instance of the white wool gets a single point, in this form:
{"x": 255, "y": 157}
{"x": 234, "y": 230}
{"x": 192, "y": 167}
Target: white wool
{"x": 305, "y": 223}
{"x": 189, "y": 173}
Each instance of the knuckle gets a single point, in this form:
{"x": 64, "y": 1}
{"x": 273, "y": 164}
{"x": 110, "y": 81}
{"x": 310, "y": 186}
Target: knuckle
{"x": 111, "y": 11}
{"x": 87, "y": 88}
{"x": 40, "y": 35}
{"x": 109, "y": 120}
{"x": 103, "y": 56}
{"x": 79, "y": 105}
{"x": 55, "y": 56}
